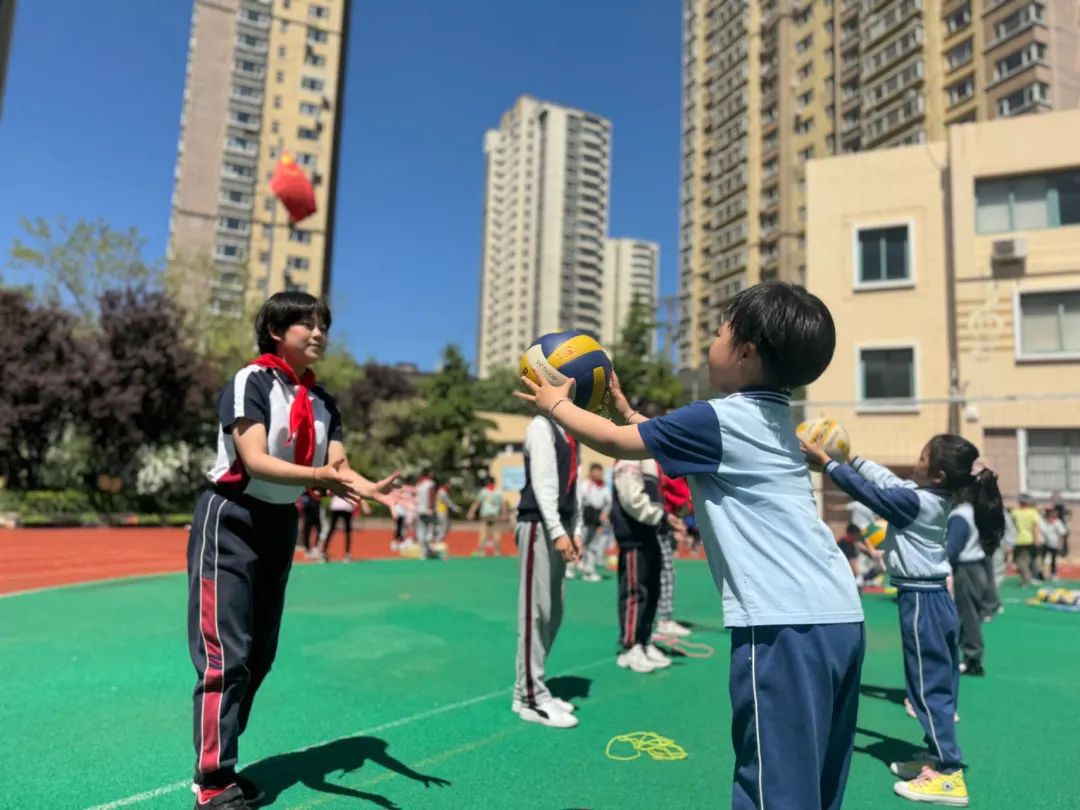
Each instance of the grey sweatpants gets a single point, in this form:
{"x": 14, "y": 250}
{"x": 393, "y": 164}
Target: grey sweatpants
{"x": 593, "y": 546}
{"x": 540, "y": 610}
{"x": 665, "y": 611}
{"x": 969, "y": 586}
{"x": 425, "y": 533}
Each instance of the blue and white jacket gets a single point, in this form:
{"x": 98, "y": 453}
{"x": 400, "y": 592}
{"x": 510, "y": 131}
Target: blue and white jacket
{"x": 914, "y": 543}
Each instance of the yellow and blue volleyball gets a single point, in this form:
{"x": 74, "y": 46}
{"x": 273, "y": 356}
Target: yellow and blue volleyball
{"x": 832, "y": 433}
{"x": 573, "y": 355}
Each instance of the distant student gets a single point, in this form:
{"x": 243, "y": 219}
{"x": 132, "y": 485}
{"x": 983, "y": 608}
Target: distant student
{"x": 797, "y": 635}
{"x": 917, "y": 512}
{"x": 491, "y": 508}
{"x": 547, "y": 515}
{"x": 341, "y": 512}
{"x": 1053, "y": 531}
{"x": 444, "y": 505}
{"x": 1026, "y": 519}
{"x": 427, "y": 493}
{"x": 594, "y": 506}
{"x": 675, "y": 493}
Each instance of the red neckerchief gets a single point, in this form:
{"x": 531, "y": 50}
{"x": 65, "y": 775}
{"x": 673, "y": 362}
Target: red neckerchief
{"x": 573, "y": 462}
{"x": 301, "y": 416}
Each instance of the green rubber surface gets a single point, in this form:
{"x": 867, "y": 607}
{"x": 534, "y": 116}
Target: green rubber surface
{"x": 394, "y": 670}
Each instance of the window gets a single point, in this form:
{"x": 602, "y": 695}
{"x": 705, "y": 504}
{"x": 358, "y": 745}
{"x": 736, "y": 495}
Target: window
{"x": 227, "y": 250}
{"x": 315, "y": 35}
{"x": 804, "y": 44}
{"x": 806, "y": 98}
{"x": 1053, "y": 461}
{"x": 318, "y": 12}
{"x": 960, "y": 55}
{"x": 306, "y": 159}
{"x": 961, "y": 90}
{"x": 307, "y": 134}
{"x": 235, "y": 197}
{"x": 806, "y": 70}
{"x": 312, "y": 83}
{"x": 277, "y": 102}
{"x": 1027, "y": 202}
{"x": 281, "y": 51}
{"x": 314, "y": 59}
{"x": 280, "y": 76}
{"x": 883, "y": 255}
{"x": 1018, "y": 20}
{"x": 297, "y": 263}
{"x": 302, "y": 237}
{"x": 234, "y": 224}
{"x": 1023, "y": 99}
{"x": 238, "y": 170}
{"x": 959, "y": 19}
{"x": 1018, "y": 60}
{"x": 1049, "y": 324}
{"x": 307, "y": 108}
{"x": 806, "y": 154}
{"x": 886, "y": 374}
{"x": 804, "y": 125}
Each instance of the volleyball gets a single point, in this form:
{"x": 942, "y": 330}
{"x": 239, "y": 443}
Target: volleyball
{"x": 874, "y": 533}
{"x": 831, "y": 432}
{"x": 573, "y": 355}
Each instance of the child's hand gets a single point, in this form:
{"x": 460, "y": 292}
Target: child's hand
{"x": 545, "y": 395}
{"x": 566, "y": 546}
{"x": 387, "y": 491}
{"x": 816, "y": 457}
{"x": 342, "y": 482}
{"x": 618, "y": 399}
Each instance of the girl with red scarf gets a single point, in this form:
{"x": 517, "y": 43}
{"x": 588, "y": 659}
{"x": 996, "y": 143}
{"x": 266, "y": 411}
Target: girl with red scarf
{"x": 279, "y": 434}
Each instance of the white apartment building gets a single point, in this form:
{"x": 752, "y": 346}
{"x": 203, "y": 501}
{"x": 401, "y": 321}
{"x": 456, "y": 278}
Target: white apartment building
{"x": 631, "y": 269}
{"x": 545, "y": 223}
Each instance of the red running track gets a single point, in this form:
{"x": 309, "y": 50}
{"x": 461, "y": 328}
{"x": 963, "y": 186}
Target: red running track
{"x": 43, "y": 558}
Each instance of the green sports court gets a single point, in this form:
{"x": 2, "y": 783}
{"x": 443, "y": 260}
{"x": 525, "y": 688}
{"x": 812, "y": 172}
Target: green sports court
{"x": 392, "y": 689}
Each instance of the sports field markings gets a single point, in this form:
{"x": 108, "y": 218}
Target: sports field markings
{"x": 403, "y": 721}
{"x": 90, "y": 583}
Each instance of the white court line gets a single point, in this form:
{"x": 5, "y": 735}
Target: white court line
{"x": 87, "y": 582}
{"x": 403, "y": 721}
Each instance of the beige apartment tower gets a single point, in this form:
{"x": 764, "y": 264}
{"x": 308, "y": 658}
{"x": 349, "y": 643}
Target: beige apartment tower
{"x": 771, "y": 84}
{"x": 547, "y": 171}
{"x": 631, "y": 272}
{"x": 262, "y": 76}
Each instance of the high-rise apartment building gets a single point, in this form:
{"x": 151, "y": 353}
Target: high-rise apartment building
{"x": 262, "y": 76}
{"x": 631, "y": 272}
{"x": 545, "y": 221}
{"x": 7, "y": 24}
{"x": 771, "y": 84}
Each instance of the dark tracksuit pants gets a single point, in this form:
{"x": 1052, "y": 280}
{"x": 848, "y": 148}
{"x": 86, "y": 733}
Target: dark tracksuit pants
{"x": 239, "y": 556}
{"x": 970, "y": 587}
{"x": 639, "y": 590}
{"x": 794, "y": 703}
{"x": 929, "y": 631}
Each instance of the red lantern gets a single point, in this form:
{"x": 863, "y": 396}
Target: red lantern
{"x": 290, "y": 185}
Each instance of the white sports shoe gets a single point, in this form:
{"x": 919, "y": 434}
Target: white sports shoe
{"x": 549, "y": 715}
{"x": 672, "y": 628}
{"x": 636, "y": 660}
{"x": 658, "y": 659}
{"x": 591, "y": 576}
{"x": 562, "y": 705}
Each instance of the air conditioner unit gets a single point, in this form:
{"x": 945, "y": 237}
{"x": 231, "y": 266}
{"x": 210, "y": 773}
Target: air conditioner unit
{"x": 1008, "y": 250}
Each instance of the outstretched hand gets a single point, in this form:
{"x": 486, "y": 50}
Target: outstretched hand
{"x": 816, "y": 457}
{"x": 618, "y": 399}
{"x": 388, "y": 490}
{"x": 544, "y": 395}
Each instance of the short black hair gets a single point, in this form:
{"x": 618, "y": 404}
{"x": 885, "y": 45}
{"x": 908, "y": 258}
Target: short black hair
{"x": 595, "y": 466}
{"x": 792, "y": 329}
{"x": 281, "y": 310}
{"x": 853, "y": 528}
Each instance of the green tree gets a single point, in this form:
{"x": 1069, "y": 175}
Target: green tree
{"x": 642, "y": 373}
{"x": 452, "y": 440}
{"x": 496, "y": 393}
{"x": 74, "y": 265}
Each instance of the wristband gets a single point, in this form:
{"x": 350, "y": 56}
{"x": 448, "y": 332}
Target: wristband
{"x": 631, "y": 416}
{"x": 551, "y": 413}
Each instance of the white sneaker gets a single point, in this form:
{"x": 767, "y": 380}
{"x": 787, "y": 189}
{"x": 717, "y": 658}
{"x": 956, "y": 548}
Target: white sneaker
{"x": 636, "y": 660}
{"x": 658, "y": 659}
{"x": 560, "y": 704}
{"x": 571, "y": 573}
{"x": 347, "y": 558}
{"x": 672, "y": 628}
{"x": 591, "y": 576}
{"x": 548, "y": 715}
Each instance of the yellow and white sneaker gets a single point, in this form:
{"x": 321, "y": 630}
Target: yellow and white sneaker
{"x": 935, "y": 788}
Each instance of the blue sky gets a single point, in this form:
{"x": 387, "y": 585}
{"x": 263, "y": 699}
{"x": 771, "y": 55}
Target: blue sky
{"x": 92, "y": 108}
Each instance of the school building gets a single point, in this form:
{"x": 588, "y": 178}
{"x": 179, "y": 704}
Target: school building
{"x": 952, "y": 269}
